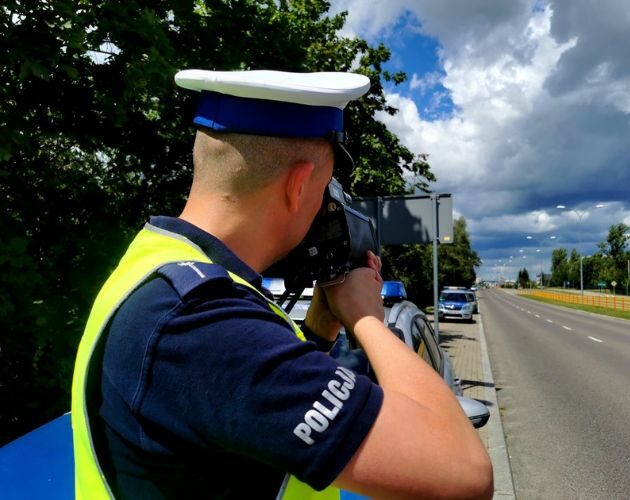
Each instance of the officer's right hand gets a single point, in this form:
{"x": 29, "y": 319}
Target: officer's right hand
{"x": 359, "y": 296}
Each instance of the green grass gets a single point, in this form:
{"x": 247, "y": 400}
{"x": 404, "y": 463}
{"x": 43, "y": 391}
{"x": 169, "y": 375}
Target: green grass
{"x": 615, "y": 313}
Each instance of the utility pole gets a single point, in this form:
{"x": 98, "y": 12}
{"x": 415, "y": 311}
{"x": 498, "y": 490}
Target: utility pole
{"x": 436, "y": 237}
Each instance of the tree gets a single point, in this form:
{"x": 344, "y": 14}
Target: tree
{"x": 573, "y": 268}
{"x": 523, "y": 278}
{"x": 617, "y": 240}
{"x": 413, "y": 264}
{"x": 96, "y": 137}
{"x": 458, "y": 260}
{"x": 559, "y": 267}
{"x": 608, "y": 264}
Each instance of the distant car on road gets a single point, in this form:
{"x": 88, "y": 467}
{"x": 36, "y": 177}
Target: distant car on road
{"x": 456, "y": 304}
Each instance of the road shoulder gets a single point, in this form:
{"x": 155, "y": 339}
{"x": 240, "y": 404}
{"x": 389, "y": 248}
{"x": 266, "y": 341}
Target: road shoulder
{"x": 466, "y": 346}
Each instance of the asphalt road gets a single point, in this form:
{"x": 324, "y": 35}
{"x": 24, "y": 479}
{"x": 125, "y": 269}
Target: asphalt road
{"x": 563, "y": 382}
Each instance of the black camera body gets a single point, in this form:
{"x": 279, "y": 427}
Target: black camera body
{"x": 335, "y": 244}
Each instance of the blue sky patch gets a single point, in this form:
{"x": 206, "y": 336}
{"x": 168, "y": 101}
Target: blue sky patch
{"x": 418, "y": 56}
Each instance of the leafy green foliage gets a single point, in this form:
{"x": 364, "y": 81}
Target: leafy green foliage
{"x": 96, "y": 137}
{"x": 559, "y": 267}
{"x": 606, "y": 265}
{"x": 458, "y": 260}
{"x": 413, "y": 265}
{"x": 523, "y": 278}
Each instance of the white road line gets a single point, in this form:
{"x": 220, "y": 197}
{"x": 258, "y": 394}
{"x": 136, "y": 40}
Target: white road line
{"x": 596, "y": 340}
{"x": 538, "y": 315}
{"x": 529, "y": 312}
{"x": 549, "y": 321}
{"x": 566, "y": 327}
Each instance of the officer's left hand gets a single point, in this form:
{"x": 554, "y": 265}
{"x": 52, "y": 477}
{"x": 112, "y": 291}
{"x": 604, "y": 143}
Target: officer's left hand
{"x": 320, "y": 318}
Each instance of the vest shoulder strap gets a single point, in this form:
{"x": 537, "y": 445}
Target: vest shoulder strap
{"x": 187, "y": 276}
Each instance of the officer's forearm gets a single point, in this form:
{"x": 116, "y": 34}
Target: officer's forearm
{"x": 434, "y": 450}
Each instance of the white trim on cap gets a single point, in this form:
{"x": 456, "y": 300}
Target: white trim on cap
{"x": 313, "y": 89}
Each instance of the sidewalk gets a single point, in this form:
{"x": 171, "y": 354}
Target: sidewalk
{"x": 465, "y": 344}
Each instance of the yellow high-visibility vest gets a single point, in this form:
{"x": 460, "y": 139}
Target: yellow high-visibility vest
{"x": 151, "y": 249}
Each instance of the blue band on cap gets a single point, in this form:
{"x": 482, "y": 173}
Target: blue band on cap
{"x": 226, "y": 113}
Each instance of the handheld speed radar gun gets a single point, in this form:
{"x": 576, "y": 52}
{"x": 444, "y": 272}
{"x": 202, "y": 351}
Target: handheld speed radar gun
{"x": 335, "y": 244}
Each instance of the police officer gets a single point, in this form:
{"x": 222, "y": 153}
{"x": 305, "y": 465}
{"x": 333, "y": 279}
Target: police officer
{"x": 191, "y": 383}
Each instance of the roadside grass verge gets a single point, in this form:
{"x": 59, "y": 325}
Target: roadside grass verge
{"x": 616, "y": 313}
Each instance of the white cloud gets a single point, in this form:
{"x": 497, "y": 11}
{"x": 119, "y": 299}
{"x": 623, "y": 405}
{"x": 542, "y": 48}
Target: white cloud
{"x": 425, "y": 83}
{"x": 542, "y": 109}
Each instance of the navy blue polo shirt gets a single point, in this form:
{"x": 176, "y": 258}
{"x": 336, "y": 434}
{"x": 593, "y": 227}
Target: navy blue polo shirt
{"x": 207, "y": 393}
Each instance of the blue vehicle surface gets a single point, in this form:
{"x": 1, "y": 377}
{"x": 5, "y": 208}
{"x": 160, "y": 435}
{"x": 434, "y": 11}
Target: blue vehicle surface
{"x": 40, "y": 464}
{"x": 393, "y": 291}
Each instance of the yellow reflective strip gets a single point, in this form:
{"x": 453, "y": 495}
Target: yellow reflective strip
{"x": 151, "y": 249}
{"x": 297, "y": 490}
{"x": 274, "y": 307}
{"x": 145, "y": 254}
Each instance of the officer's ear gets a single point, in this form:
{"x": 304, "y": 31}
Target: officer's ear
{"x": 296, "y": 184}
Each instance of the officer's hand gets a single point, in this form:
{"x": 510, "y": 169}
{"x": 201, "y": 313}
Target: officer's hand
{"x": 320, "y": 318}
{"x": 359, "y": 295}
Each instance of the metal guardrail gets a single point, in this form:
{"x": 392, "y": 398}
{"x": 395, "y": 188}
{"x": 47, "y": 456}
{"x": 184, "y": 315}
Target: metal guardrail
{"x": 604, "y": 301}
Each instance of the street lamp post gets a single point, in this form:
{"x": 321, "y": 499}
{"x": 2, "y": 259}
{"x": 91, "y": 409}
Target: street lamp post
{"x": 540, "y": 244}
{"x": 580, "y": 214}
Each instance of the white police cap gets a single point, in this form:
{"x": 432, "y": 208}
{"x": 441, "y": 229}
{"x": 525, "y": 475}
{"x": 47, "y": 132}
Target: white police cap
{"x": 273, "y": 103}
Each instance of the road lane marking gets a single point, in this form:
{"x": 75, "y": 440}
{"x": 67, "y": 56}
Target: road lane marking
{"x": 538, "y": 315}
{"x": 549, "y": 321}
{"x": 596, "y": 340}
{"x": 566, "y": 327}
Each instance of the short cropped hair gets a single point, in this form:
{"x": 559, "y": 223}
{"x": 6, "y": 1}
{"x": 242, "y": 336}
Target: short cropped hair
{"x": 240, "y": 164}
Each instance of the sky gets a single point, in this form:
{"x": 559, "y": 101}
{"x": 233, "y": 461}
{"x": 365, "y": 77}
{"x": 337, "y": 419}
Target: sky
{"x": 522, "y": 106}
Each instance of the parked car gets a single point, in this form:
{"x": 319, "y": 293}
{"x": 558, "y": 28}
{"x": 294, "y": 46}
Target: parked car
{"x": 455, "y": 304}
{"x": 413, "y": 327}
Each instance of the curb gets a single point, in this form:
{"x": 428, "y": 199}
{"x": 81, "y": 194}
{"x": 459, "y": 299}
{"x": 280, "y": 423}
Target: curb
{"x": 497, "y": 448}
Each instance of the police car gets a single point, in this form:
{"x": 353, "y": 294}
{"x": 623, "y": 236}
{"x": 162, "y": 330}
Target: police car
{"x": 456, "y": 303}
